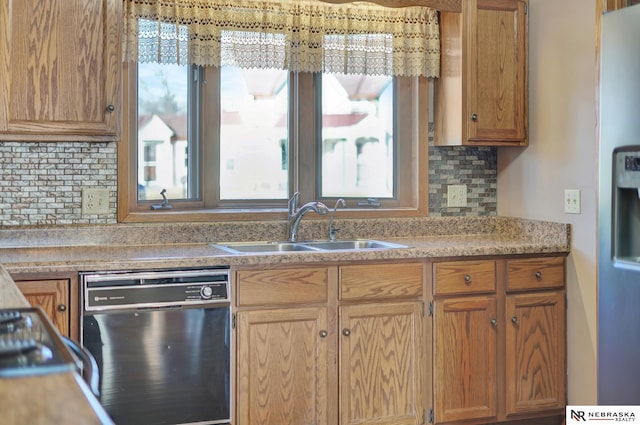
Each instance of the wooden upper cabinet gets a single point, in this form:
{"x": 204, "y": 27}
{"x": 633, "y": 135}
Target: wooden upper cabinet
{"x": 481, "y": 95}
{"x": 60, "y": 70}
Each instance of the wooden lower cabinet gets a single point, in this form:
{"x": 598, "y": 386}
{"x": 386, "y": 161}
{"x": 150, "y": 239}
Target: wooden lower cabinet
{"x": 53, "y": 296}
{"x": 499, "y": 354}
{"x": 282, "y": 366}
{"x": 347, "y": 344}
{"x": 536, "y": 352}
{"x": 325, "y": 346}
{"x": 465, "y": 358}
{"x": 381, "y": 364}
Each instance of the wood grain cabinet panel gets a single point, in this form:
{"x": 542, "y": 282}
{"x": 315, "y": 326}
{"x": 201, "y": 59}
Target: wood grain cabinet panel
{"x": 535, "y": 273}
{"x": 285, "y": 337}
{"x": 536, "y": 352}
{"x": 481, "y": 95}
{"x": 464, "y": 277}
{"x": 60, "y": 67}
{"x": 368, "y": 282}
{"x": 282, "y": 366}
{"x": 52, "y": 296}
{"x": 282, "y": 286}
{"x": 465, "y": 353}
{"x": 381, "y": 364}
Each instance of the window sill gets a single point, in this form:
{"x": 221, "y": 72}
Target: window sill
{"x": 185, "y": 216}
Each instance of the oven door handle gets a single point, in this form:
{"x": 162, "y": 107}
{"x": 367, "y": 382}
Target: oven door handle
{"x": 90, "y": 370}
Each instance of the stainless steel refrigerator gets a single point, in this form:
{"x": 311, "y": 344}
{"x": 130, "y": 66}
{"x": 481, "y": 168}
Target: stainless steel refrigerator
{"x": 619, "y": 210}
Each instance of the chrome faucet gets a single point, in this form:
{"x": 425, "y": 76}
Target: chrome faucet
{"x": 296, "y": 214}
{"x": 333, "y": 230}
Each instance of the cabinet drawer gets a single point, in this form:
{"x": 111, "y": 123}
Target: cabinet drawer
{"x": 535, "y": 273}
{"x": 282, "y": 286}
{"x": 458, "y": 277}
{"x": 381, "y": 281}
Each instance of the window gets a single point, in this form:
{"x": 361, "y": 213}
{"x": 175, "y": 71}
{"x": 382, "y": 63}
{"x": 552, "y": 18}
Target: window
{"x": 228, "y": 140}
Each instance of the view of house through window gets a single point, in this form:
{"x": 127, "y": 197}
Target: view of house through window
{"x": 356, "y": 121}
{"x": 254, "y": 143}
{"x": 357, "y": 136}
{"x": 162, "y": 131}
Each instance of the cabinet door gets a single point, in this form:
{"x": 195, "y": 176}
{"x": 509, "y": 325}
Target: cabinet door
{"x": 381, "y": 364}
{"x": 52, "y": 296}
{"x": 465, "y": 341}
{"x": 283, "y": 366}
{"x": 60, "y": 68}
{"x": 535, "y": 355}
{"x": 497, "y": 71}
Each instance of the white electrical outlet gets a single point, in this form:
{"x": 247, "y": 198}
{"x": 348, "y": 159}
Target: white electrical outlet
{"x": 572, "y": 201}
{"x": 457, "y": 195}
{"x": 95, "y": 201}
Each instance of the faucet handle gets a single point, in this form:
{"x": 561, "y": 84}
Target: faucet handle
{"x": 333, "y": 230}
{"x": 293, "y": 203}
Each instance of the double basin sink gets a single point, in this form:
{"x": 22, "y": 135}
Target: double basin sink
{"x": 317, "y": 246}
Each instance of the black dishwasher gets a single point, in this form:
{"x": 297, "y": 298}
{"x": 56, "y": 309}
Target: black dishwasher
{"x": 161, "y": 339}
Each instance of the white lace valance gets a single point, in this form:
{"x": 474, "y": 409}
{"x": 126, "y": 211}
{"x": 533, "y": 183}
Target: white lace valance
{"x": 298, "y": 35}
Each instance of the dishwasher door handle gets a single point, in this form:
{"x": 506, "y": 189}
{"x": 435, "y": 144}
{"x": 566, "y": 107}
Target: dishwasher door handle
{"x": 90, "y": 371}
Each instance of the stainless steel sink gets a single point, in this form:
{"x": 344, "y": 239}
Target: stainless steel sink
{"x": 256, "y": 247}
{"x": 353, "y": 245}
{"x": 274, "y": 247}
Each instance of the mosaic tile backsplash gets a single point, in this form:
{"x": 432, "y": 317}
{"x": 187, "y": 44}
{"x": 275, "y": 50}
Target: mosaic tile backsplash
{"x": 41, "y": 183}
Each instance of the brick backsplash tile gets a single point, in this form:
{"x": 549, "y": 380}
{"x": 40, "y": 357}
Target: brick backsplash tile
{"x": 41, "y": 183}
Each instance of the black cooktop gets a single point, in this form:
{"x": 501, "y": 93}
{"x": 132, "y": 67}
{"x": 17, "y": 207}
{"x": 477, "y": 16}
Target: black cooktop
{"x": 30, "y": 344}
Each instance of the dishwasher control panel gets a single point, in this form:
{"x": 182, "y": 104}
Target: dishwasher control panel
{"x": 154, "y": 289}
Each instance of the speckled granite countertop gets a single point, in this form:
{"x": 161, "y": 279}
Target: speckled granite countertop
{"x": 191, "y": 245}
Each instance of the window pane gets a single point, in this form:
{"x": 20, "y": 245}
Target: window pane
{"x": 254, "y": 146}
{"x": 357, "y": 136}
{"x": 162, "y": 131}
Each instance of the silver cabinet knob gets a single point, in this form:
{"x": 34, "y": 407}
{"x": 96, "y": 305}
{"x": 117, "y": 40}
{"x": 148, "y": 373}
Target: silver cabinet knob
{"x": 467, "y": 278}
{"x": 111, "y": 108}
{"x": 323, "y": 334}
{"x": 538, "y": 275}
{"x": 514, "y": 319}
{"x": 346, "y": 332}
{"x": 474, "y": 117}
{"x": 494, "y": 322}
{"x": 62, "y": 307}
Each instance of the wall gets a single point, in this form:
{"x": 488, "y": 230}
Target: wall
{"x": 41, "y": 183}
{"x": 562, "y": 155}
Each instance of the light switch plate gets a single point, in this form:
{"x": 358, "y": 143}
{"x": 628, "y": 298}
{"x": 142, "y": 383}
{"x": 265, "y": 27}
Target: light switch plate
{"x": 95, "y": 201}
{"x": 457, "y": 195}
{"x": 572, "y": 201}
